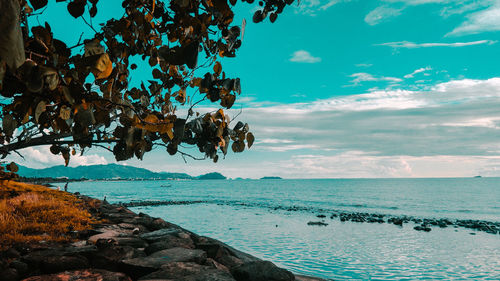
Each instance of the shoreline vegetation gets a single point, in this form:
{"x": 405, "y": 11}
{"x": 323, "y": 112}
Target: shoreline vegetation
{"x": 420, "y": 223}
{"x": 112, "y": 243}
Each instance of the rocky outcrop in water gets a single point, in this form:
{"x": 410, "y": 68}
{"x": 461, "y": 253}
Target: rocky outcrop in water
{"x": 422, "y": 224}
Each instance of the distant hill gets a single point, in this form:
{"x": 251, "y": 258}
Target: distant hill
{"x": 97, "y": 172}
{"x": 212, "y": 176}
{"x": 271, "y": 178}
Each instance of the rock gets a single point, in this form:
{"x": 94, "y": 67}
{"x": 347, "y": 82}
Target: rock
{"x": 230, "y": 261}
{"x": 320, "y": 223}
{"x": 422, "y": 227}
{"x": 11, "y": 253}
{"x": 131, "y": 241}
{"x": 168, "y": 243}
{"x": 261, "y": 271}
{"x": 111, "y": 257}
{"x": 9, "y": 274}
{"x": 214, "y": 264}
{"x": 176, "y": 270}
{"x": 235, "y": 257}
{"x": 59, "y": 259}
{"x": 138, "y": 267}
{"x": 109, "y": 234}
{"x": 321, "y": 216}
{"x": 61, "y": 263}
{"x": 220, "y": 253}
{"x": 158, "y": 223}
{"x": 21, "y": 267}
{"x": 82, "y": 275}
{"x": 181, "y": 254}
{"x": 396, "y": 221}
{"x": 159, "y": 235}
{"x": 210, "y": 275}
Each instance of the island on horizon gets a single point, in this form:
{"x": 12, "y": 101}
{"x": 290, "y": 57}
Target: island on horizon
{"x": 271, "y": 178}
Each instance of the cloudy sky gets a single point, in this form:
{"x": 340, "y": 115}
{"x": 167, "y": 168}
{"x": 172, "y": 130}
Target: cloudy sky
{"x": 356, "y": 88}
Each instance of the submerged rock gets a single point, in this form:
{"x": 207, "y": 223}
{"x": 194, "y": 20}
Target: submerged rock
{"x": 422, "y": 227}
{"x": 320, "y": 223}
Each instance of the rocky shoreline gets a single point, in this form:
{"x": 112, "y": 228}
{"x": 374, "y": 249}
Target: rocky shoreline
{"x": 128, "y": 246}
{"x": 421, "y": 224}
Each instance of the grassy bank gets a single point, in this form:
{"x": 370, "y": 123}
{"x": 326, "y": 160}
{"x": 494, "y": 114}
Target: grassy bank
{"x": 32, "y": 213}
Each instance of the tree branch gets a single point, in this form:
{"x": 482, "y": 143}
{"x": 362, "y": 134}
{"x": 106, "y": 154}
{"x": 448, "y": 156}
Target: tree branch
{"x": 46, "y": 140}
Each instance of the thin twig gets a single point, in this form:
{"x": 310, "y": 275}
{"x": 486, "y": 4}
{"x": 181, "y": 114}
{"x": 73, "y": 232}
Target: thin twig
{"x": 89, "y": 24}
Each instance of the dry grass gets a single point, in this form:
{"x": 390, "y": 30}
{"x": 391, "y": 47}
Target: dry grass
{"x": 33, "y": 213}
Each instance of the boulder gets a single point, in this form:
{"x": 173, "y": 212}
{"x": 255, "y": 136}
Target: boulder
{"x": 61, "y": 263}
{"x": 9, "y": 274}
{"x": 21, "y": 267}
{"x": 135, "y": 242}
{"x": 138, "y": 267}
{"x": 82, "y": 275}
{"x": 176, "y": 270}
{"x": 169, "y": 242}
{"x": 261, "y": 271}
{"x": 188, "y": 271}
{"x": 181, "y": 254}
{"x": 54, "y": 260}
{"x": 210, "y": 275}
{"x": 160, "y": 235}
{"x": 319, "y": 223}
{"x": 108, "y": 234}
{"x": 111, "y": 257}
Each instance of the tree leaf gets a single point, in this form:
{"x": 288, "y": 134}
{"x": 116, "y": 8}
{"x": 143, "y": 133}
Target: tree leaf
{"x": 38, "y": 4}
{"x": 40, "y": 108}
{"x": 76, "y": 8}
{"x": 93, "y": 47}
{"x": 12, "y": 167}
{"x": 65, "y": 112}
{"x": 102, "y": 67}
{"x": 217, "y": 68}
{"x": 250, "y": 139}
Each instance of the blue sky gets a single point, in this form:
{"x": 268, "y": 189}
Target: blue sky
{"x": 352, "y": 88}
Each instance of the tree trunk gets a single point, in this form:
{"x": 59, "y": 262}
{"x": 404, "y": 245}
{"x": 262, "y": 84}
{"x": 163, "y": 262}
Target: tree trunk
{"x": 11, "y": 38}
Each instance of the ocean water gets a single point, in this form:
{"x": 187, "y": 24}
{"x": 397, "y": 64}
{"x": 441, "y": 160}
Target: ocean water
{"x": 268, "y": 218}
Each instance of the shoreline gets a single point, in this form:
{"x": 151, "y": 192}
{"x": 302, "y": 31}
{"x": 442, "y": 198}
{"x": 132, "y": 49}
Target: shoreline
{"x": 421, "y": 223}
{"x": 130, "y": 246}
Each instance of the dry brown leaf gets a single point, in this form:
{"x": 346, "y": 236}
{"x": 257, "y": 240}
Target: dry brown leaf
{"x": 102, "y": 67}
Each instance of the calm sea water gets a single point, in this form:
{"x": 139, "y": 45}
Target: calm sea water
{"x": 243, "y": 214}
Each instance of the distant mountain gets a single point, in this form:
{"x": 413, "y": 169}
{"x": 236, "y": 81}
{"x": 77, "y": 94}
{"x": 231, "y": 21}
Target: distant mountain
{"x": 212, "y": 176}
{"x": 96, "y": 172}
{"x": 271, "y": 178}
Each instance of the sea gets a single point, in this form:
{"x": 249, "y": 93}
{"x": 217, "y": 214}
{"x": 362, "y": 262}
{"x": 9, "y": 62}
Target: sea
{"x": 269, "y": 219}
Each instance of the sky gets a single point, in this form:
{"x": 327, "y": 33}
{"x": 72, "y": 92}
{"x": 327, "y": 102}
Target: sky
{"x": 350, "y": 89}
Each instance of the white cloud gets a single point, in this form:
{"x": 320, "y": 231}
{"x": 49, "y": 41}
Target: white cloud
{"x": 412, "y": 45}
{"x": 366, "y": 77}
{"x": 302, "y": 56}
{"x": 41, "y": 157}
{"x": 363, "y": 65}
{"x": 420, "y": 70}
{"x": 481, "y": 21}
{"x": 381, "y": 14}
{"x": 454, "y": 118}
{"x": 312, "y": 7}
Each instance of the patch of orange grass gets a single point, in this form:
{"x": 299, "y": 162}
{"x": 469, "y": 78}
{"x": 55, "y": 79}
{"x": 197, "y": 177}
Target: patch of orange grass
{"x": 31, "y": 213}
